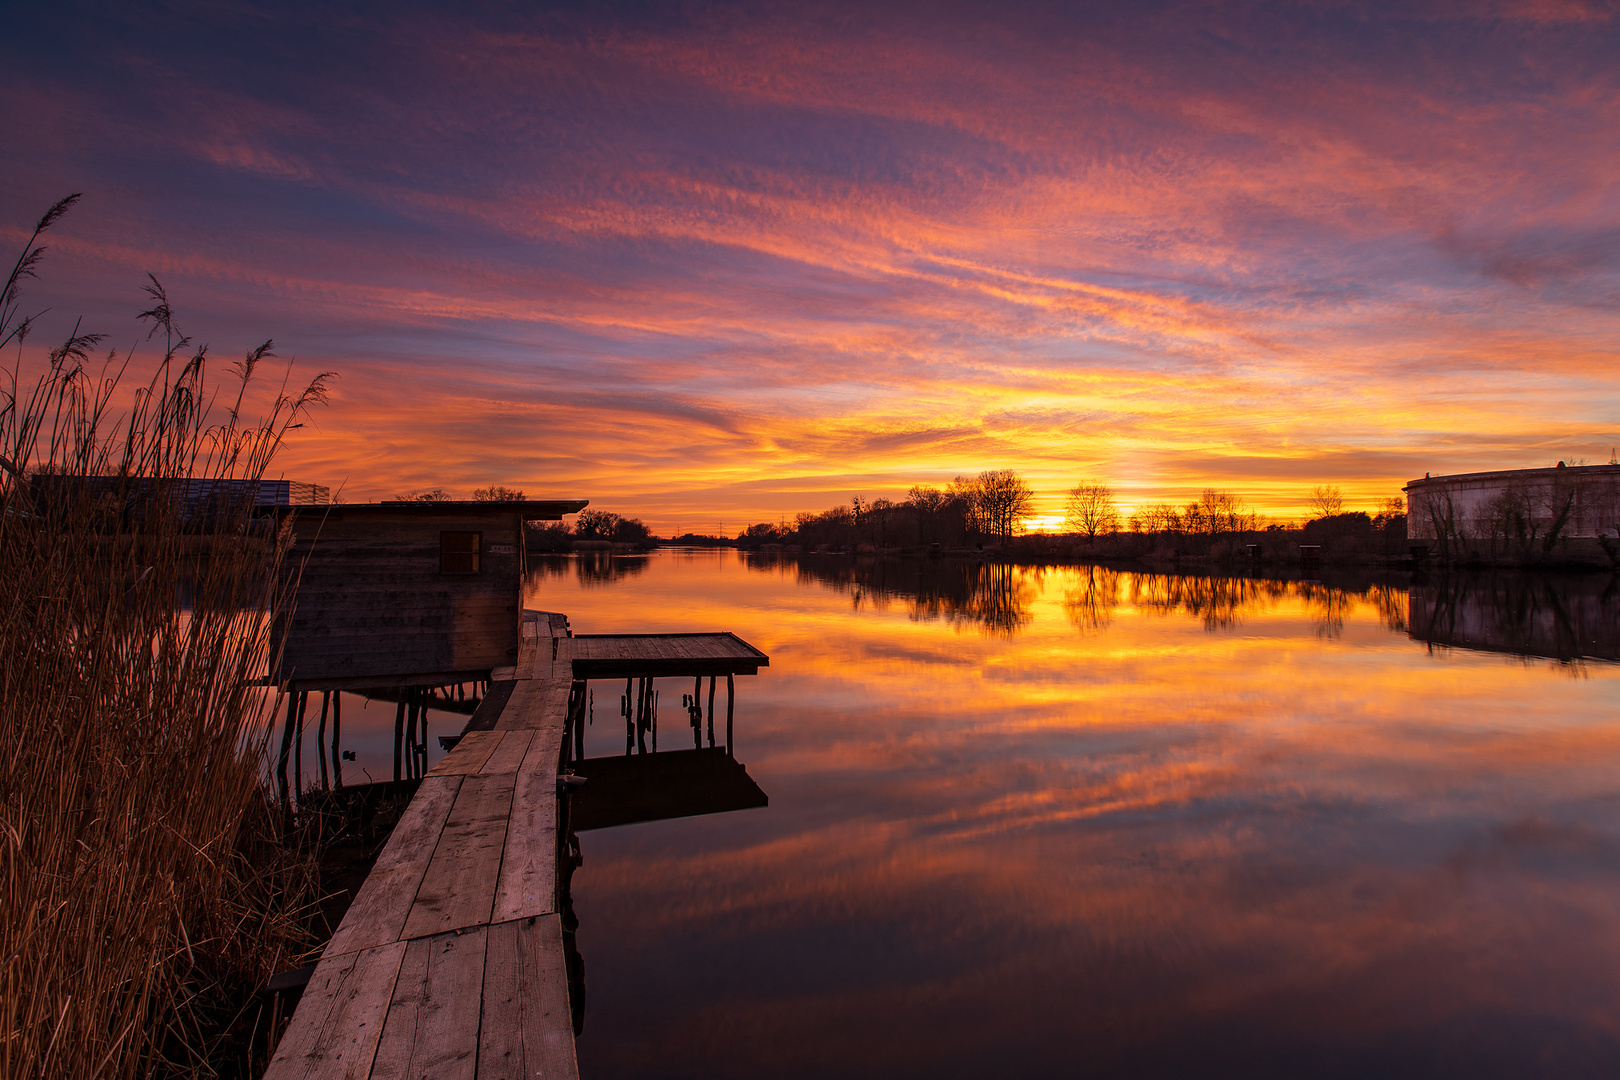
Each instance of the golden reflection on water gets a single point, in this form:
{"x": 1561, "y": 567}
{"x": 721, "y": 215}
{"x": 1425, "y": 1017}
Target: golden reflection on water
{"x": 1118, "y": 821}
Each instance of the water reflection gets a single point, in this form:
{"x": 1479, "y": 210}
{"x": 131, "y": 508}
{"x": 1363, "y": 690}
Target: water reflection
{"x": 992, "y": 597}
{"x": 1562, "y": 618}
{"x": 1164, "y": 827}
{"x": 588, "y": 568}
{"x": 997, "y": 599}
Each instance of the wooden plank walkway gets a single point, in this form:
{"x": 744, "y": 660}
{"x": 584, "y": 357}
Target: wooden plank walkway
{"x": 449, "y": 963}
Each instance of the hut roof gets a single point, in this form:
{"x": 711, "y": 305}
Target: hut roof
{"x": 527, "y": 509}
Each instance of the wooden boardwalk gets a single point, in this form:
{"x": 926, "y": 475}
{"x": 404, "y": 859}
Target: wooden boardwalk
{"x": 449, "y": 963}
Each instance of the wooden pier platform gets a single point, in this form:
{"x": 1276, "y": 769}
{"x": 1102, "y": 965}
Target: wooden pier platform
{"x": 449, "y": 963}
{"x": 619, "y": 656}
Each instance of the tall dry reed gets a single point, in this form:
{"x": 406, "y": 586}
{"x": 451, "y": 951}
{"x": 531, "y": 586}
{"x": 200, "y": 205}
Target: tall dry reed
{"x": 142, "y": 874}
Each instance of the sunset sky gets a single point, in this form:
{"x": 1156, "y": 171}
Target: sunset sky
{"x": 710, "y": 264}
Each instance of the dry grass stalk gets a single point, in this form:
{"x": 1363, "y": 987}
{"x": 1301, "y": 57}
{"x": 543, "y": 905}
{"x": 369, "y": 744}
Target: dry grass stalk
{"x": 141, "y": 868}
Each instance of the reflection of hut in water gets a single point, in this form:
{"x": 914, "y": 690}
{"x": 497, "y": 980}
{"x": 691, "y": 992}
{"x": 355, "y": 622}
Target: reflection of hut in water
{"x": 1570, "y": 618}
{"x": 406, "y": 593}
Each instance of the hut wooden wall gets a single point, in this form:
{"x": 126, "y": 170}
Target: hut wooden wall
{"x": 372, "y": 602}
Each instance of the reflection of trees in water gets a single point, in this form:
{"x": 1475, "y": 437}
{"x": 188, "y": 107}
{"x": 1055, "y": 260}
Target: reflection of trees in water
{"x": 1392, "y": 605}
{"x": 1328, "y": 606}
{"x": 1091, "y": 601}
{"x": 995, "y": 597}
{"x": 1220, "y": 602}
{"x": 1223, "y": 602}
{"x": 593, "y": 569}
{"x": 1568, "y": 619}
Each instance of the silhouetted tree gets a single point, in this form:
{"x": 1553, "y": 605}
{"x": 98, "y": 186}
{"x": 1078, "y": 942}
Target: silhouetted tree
{"x": 941, "y": 517}
{"x": 430, "y": 495}
{"x": 1388, "y": 511}
{"x": 547, "y": 536}
{"x": 496, "y": 493}
{"x": 1159, "y": 517}
{"x": 595, "y": 524}
{"x": 1327, "y": 500}
{"x": 1000, "y": 500}
{"x": 1090, "y": 510}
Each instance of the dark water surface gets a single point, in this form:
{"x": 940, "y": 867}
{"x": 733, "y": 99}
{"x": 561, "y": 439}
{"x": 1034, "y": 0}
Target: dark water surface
{"x": 1071, "y": 822}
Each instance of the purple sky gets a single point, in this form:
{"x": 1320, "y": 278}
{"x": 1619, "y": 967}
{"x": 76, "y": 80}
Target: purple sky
{"x": 710, "y": 264}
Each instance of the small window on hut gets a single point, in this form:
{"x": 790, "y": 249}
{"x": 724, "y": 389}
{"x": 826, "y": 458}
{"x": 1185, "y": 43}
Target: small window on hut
{"x": 458, "y": 552}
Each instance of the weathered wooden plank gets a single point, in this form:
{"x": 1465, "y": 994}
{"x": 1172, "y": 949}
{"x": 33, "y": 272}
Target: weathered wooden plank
{"x": 432, "y": 1025}
{"x": 469, "y": 755}
{"x": 489, "y": 710}
{"x": 385, "y": 899}
{"x": 536, "y": 704}
{"x": 528, "y": 879}
{"x": 459, "y": 886}
{"x": 527, "y": 1031}
{"x": 508, "y": 757}
{"x": 336, "y": 1027}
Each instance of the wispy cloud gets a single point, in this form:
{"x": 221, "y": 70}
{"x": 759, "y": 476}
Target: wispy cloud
{"x": 731, "y": 258}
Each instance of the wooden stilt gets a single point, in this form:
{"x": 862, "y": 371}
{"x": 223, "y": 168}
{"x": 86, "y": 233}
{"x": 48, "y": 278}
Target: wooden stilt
{"x": 286, "y": 749}
{"x": 731, "y": 706}
{"x": 298, "y": 752}
{"x": 579, "y": 722}
{"x": 337, "y": 738}
{"x": 642, "y": 692}
{"x": 422, "y": 731}
{"x": 320, "y": 740}
{"x": 711, "y": 710}
{"x": 399, "y": 739}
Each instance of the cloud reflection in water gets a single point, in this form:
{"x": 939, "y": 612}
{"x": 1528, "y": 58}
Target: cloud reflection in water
{"x": 1169, "y": 826}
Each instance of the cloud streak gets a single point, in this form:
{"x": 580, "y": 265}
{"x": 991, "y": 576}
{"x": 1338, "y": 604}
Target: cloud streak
{"x": 681, "y": 265}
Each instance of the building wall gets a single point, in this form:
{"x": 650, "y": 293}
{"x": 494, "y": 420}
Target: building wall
{"x": 372, "y": 601}
{"x": 1470, "y": 505}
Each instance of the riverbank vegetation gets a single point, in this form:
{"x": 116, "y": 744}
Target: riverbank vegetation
{"x": 592, "y": 530}
{"x": 147, "y": 891}
{"x": 988, "y": 512}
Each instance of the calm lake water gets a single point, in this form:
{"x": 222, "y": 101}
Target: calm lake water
{"x": 1071, "y": 822}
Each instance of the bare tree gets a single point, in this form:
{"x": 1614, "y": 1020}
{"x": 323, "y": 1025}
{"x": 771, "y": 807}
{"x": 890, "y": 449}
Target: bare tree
{"x": 1004, "y": 500}
{"x": 1327, "y": 500}
{"x": 1159, "y": 517}
{"x": 1388, "y": 510}
{"x": 1090, "y": 509}
{"x": 496, "y": 493}
{"x": 430, "y": 495}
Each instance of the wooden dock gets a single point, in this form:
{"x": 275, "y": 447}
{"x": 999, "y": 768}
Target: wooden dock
{"x": 450, "y": 961}
{"x": 619, "y": 656}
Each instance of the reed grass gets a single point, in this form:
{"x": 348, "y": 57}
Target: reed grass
{"x": 144, "y": 880}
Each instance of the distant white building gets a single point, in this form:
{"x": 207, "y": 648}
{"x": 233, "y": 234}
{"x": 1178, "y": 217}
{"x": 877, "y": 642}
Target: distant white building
{"x": 1515, "y": 506}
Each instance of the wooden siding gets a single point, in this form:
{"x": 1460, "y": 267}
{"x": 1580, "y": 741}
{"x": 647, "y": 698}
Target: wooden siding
{"x": 372, "y": 602}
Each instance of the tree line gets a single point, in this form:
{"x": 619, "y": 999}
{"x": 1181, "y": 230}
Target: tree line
{"x": 995, "y": 504}
{"x": 592, "y": 526}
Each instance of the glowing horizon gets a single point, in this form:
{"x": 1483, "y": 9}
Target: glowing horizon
{"x": 724, "y": 265}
